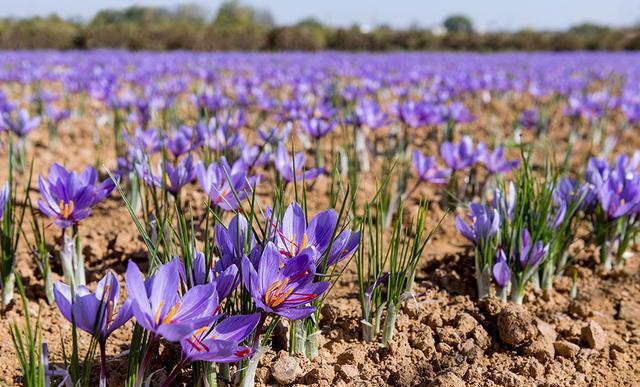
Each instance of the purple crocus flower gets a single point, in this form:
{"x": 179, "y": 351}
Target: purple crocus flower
{"x": 234, "y": 241}
{"x": 569, "y": 192}
{"x": 505, "y": 203}
{"x": 285, "y": 166}
{"x": 221, "y": 344}
{"x": 597, "y": 172}
{"x": 459, "y": 113}
{"x": 95, "y": 313}
{"x": 528, "y": 255}
{"x": 223, "y": 183}
{"x": 495, "y": 161}
{"x": 410, "y": 113}
{"x": 485, "y": 224}
{"x": 224, "y": 278}
{"x": 173, "y": 178}
{"x": 283, "y": 286}
{"x": 459, "y": 156}
{"x": 149, "y": 140}
{"x": 368, "y": 114}
{"x": 68, "y": 197}
{"x": 253, "y": 156}
{"x": 294, "y": 236}
{"x": 317, "y": 127}
{"x": 344, "y": 245}
{"x": 184, "y": 140}
{"x": 528, "y": 119}
{"x": 428, "y": 171}
{"x": 620, "y": 195}
{"x": 501, "y": 271}
{"x": 274, "y": 135}
{"x": 22, "y": 125}
{"x": 56, "y": 115}
{"x": 160, "y": 308}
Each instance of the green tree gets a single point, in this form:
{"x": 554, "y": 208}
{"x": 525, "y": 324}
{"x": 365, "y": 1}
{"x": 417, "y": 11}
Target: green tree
{"x": 458, "y": 24}
{"x": 232, "y": 14}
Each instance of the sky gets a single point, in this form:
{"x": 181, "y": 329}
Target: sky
{"x": 486, "y": 14}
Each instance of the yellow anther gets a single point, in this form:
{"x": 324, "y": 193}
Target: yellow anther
{"x": 305, "y": 241}
{"x": 172, "y": 312}
{"x": 200, "y": 331}
{"x": 66, "y": 208}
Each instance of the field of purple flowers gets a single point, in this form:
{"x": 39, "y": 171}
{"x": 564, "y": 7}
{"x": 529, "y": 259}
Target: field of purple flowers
{"x": 319, "y": 219}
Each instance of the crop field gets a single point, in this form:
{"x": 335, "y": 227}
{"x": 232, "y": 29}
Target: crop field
{"x": 325, "y": 219}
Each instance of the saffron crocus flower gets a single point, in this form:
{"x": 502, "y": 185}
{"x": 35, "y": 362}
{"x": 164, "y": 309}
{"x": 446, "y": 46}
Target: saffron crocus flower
{"x": 68, "y": 197}
{"x": 274, "y": 135}
{"x": 285, "y": 166}
{"x": 221, "y": 344}
{"x": 410, "y": 113}
{"x": 57, "y": 115}
{"x": 486, "y": 223}
{"x": 4, "y": 198}
{"x": 528, "y": 255}
{"x": 223, "y": 183}
{"x": 428, "y": 171}
{"x": 22, "y": 125}
{"x": 528, "y": 119}
{"x": 173, "y": 178}
{"x": 225, "y": 279}
{"x": 233, "y": 241}
{"x": 501, "y": 271}
{"x": 150, "y": 140}
{"x": 285, "y": 289}
{"x": 317, "y": 127}
{"x": 184, "y": 140}
{"x": 293, "y": 236}
{"x": 368, "y": 114}
{"x": 495, "y": 161}
{"x": 160, "y": 308}
{"x": 459, "y": 156}
{"x": 620, "y": 195}
{"x": 457, "y": 112}
{"x": 344, "y": 245}
{"x": 95, "y": 312}
{"x": 505, "y": 203}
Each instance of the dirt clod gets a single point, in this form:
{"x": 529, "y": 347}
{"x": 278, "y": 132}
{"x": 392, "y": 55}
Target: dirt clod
{"x": 515, "y": 325}
{"x": 542, "y": 349}
{"x": 448, "y": 379}
{"x": 566, "y": 349}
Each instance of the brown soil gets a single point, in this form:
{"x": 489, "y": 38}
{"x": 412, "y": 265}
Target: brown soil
{"x": 444, "y": 337}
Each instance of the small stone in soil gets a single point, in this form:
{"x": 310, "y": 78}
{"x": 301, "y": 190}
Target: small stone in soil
{"x": 546, "y": 330}
{"x": 594, "y": 335}
{"x": 286, "y": 369}
{"x": 566, "y": 349}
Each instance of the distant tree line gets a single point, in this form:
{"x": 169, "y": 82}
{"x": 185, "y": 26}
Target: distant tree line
{"x": 239, "y": 27}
